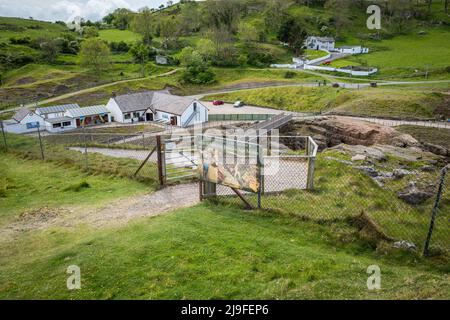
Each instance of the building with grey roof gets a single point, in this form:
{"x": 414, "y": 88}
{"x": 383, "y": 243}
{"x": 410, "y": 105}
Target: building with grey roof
{"x": 55, "y": 111}
{"x": 157, "y": 106}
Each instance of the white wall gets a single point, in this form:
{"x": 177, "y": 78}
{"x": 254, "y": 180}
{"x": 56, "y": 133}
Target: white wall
{"x": 115, "y": 111}
{"x": 352, "y": 72}
{"x": 49, "y": 127}
{"x": 200, "y": 117}
{"x": 22, "y": 126}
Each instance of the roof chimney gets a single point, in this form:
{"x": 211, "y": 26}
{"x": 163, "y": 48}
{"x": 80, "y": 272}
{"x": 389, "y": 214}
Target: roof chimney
{"x": 114, "y": 94}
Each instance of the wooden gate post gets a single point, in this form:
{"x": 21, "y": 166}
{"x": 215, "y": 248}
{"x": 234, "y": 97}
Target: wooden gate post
{"x": 160, "y": 160}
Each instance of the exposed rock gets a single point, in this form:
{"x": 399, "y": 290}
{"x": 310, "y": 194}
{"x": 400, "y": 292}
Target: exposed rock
{"x": 400, "y": 173}
{"x": 370, "y": 171}
{"x": 404, "y": 140}
{"x": 402, "y": 244}
{"x": 359, "y": 157}
{"x": 439, "y": 150}
{"x": 413, "y": 195}
{"x": 427, "y": 168}
{"x": 369, "y": 152}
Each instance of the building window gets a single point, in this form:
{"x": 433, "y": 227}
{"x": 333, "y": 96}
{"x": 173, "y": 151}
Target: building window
{"x": 136, "y": 115}
{"x": 56, "y": 125}
{"x": 127, "y": 116}
{"x": 66, "y": 124}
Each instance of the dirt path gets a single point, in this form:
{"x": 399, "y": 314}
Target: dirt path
{"x": 115, "y": 213}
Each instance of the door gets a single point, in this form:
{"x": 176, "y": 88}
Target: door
{"x": 149, "y": 117}
{"x": 173, "y": 120}
{"x": 78, "y": 123}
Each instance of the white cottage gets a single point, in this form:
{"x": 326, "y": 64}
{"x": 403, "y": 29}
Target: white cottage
{"x": 24, "y": 121}
{"x": 320, "y": 43}
{"x": 353, "y": 49}
{"x": 157, "y": 106}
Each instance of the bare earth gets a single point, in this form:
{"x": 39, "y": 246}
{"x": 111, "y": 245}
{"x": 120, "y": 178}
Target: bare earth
{"x": 113, "y": 214}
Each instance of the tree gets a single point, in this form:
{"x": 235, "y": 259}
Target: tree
{"x": 247, "y": 32}
{"x": 140, "y": 53}
{"x": 197, "y": 70}
{"x": 190, "y": 18}
{"x": 90, "y": 32}
{"x": 50, "y": 49}
{"x": 169, "y": 32}
{"x": 341, "y": 13}
{"x": 206, "y": 48}
{"x": 120, "y": 18}
{"x": 95, "y": 54}
{"x": 185, "y": 55}
{"x": 223, "y": 14}
{"x": 143, "y": 24}
{"x": 292, "y": 33}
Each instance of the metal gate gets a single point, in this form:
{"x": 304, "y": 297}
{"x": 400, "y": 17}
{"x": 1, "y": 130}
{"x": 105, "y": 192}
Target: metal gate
{"x": 180, "y": 158}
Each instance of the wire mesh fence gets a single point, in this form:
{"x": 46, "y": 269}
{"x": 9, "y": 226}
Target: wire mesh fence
{"x": 112, "y": 154}
{"x": 384, "y": 203}
{"x": 388, "y": 204}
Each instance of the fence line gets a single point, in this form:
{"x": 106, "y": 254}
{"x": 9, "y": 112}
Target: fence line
{"x": 337, "y": 192}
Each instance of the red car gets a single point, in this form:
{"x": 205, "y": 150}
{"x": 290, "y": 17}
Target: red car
{"x": 217, "y": 102}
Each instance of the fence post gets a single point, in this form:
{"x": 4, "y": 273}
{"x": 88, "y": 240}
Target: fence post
{"x": 85, "y": 150}
{"x": 4, "y": 136}
{"x": 160, "y": 159}
{"x": 260, "y": 169}
{"x": 435, "y": 209}
{"x": 40, "y": 142}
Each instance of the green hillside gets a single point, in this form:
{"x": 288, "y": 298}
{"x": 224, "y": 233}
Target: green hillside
{"x": 39, "y": 59}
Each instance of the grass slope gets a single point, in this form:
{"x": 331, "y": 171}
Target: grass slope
{"x": 28, "y": 184}
{"x": 428, "y": 135}
{"x": 207, "y": 252}
{"x": 401, "y": 103}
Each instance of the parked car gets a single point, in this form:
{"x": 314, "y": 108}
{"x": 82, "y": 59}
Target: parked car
{"x": 327, "y": 63}
{"x": 239, "y": 104}
{"x": 335, "y": 85}
{"x": 217, "y": 102}
{"x": 374, "y": 84}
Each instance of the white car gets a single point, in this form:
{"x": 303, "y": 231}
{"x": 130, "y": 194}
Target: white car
{"x": 239, "y": 104}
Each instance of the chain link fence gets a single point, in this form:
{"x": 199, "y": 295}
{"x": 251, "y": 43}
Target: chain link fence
{"x": 384, "y": 205}
{"x": 405, "y": 206}
{"x": 120, "y": 155}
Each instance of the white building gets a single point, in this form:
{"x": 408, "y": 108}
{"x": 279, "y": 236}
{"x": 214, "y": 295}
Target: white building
{"x": 24, "y": 121}
{"x": 55, "y": 111}
{"x": 59, "y": 124}
{"x": 320, "y": 43}
{"x": 352, "y": 49}
{"x": 89, "y": 116}
{"x": 156, "y": 106}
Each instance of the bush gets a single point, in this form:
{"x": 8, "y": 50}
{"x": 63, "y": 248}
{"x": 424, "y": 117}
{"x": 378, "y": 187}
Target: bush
{"x": 121, "y": 46}
{"x": 24, "y": 40}
{"x": 289, "y": 74}
{"x": 197, "y": 71}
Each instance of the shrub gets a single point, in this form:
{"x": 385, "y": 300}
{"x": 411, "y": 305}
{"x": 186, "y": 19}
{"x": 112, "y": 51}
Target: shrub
{"x": 289, "y": 74}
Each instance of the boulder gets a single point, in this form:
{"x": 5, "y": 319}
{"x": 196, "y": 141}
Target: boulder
{"x": 370, "y": 171}
{"x": 413, "y": 195}
{"x": 400, "y": 173}
{"x": 427, "y": 168}
{"x": 402, "y": 244}
{"x": 404, "y": 140}
{"x": 359, "y": 157}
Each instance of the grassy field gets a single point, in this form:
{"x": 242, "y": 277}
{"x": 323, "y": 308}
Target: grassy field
{"x": 26, "y": 184}
{"x": 227, "y": 78}
{"x": 55, "y": 151}
{"x": 202, "y": 252}
{"x": 397, "y": 58}
{"x": 17, "y": 27}
{"x": 115, "y": 35}
{"x": 429, "y": 135}
{"x": 365, "y": 102}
